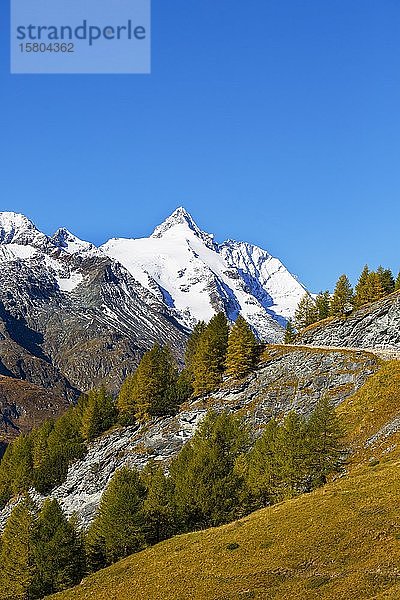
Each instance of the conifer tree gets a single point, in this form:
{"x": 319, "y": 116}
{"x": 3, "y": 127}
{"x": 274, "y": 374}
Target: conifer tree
{"x": 41, "y": 458}
{"x": 387, "y": 280}
{"x": 342, "y": 299}
{"x": 99, "y": 414}
{"x": 65, "y": 444}
{"x": 306, "y": 313}
{"x": 290, "y": 333}
{"x": 325, "y": 450}
{"x": 207, "y": 484}
{"x": 209, "y": 359}
{"x": 16, "y": 475}
{"x": 242, "y": 348}
{"x": 323, "y": 305}
{"x": 118, "y": 528}
{"x": 40, "y": 437}
{"x": 57, "y": 552}
{"x": 262, "y": 469}
{"x": 42, "y": 474}
{"x": 362, "y": 289}
{"x": 183, "y": 388}
{"x": 158, "y": 508}
{"x": 191, "y": 348}
{"x": 21, "y": 464}
{"x": 291, "y": 456}
{"x": 152, "y": 391}
{"x": 397, "y": 283}
{"x": 186, "y": 377}
{"x": 126, "y": 401}
{"x": 16, "y": 557}
{"x": 375, "y": 287}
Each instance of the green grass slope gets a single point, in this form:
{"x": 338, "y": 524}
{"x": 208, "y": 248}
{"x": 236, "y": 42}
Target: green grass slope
{"x": 341, "y": 542}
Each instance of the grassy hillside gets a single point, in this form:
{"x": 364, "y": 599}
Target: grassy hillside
{"x": 370, "y": 416}
{"x": 340, "y": 542}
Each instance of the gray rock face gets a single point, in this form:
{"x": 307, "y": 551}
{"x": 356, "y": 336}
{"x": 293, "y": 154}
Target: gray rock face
{"x": 374, "y": 326}
{"x": 73, "y": 321}
{"x": 386, "y": 431}
{"x": 288, "y": 379}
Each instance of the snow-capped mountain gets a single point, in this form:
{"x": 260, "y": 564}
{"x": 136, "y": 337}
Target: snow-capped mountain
{"x": 196, "y": 277}
{"x": 70, "y": 317}
{"x": 19, "y": 230}
{"x": 68, "y": 242}
{"x": 73, "y": 315}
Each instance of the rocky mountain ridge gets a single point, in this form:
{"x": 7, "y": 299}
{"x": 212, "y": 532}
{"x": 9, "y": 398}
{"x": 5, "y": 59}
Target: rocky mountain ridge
{"x": 73, "y": 316}
{"x": 286, "y": 379}
{"x": 70, "y": 317}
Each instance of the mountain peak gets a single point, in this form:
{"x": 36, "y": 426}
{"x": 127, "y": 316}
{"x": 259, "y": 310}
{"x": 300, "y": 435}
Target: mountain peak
{"x": 16, "y": 228}
{"x": 12, "y": 224}
{"x": 182, "y": 221}
{"x": 180, "y": 216}
{"x": 69, "y": 242}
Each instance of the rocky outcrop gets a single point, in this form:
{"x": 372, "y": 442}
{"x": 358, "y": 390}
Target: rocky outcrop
{"x": 376, "y": 325}
{"x": 287, "y": 379}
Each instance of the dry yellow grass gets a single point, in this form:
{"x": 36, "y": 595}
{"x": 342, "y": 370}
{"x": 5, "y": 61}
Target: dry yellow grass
{"x": 365, "y": 413}
{"x": 341, "y": 542}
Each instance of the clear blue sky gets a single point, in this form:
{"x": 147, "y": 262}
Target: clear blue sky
{"x": 272, "y": 121}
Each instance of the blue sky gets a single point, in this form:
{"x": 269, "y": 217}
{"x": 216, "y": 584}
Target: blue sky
{"x": 271, "y": 121}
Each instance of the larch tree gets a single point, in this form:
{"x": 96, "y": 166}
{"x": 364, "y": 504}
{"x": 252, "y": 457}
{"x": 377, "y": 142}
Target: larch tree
{"x": 126, "y": 401}
{"x": 118, "y": 528}
{"x": 342, "y": 299}
{"x": 325, "y": 448}
{"x": 6, "y": 475}
{"x": 65, "y": 444}
{"x": 207, "y": 485}
{"x": 191, "y": 348}
{"x": 262, "y": 468}
{"x": 290, "y": 456}
{"x": 99, "y": 414}
{"x": 323, "y": 305}
{"x": 21, "y": 464}
{"x": 387, "y": 280}
{"x": 242, "y": 350}
{"x": 290, "y": 332}
{"x": 158, "y": 507}
{"x": 306, "y": 313}
{"x": 209, "y": 360}
{"x": 16, "y": 557}
{"x": 152, "y": 390}
{"x": 362, "y": 289}
{"x": 57, "y": 550}
{"x": 375, "y": 287}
